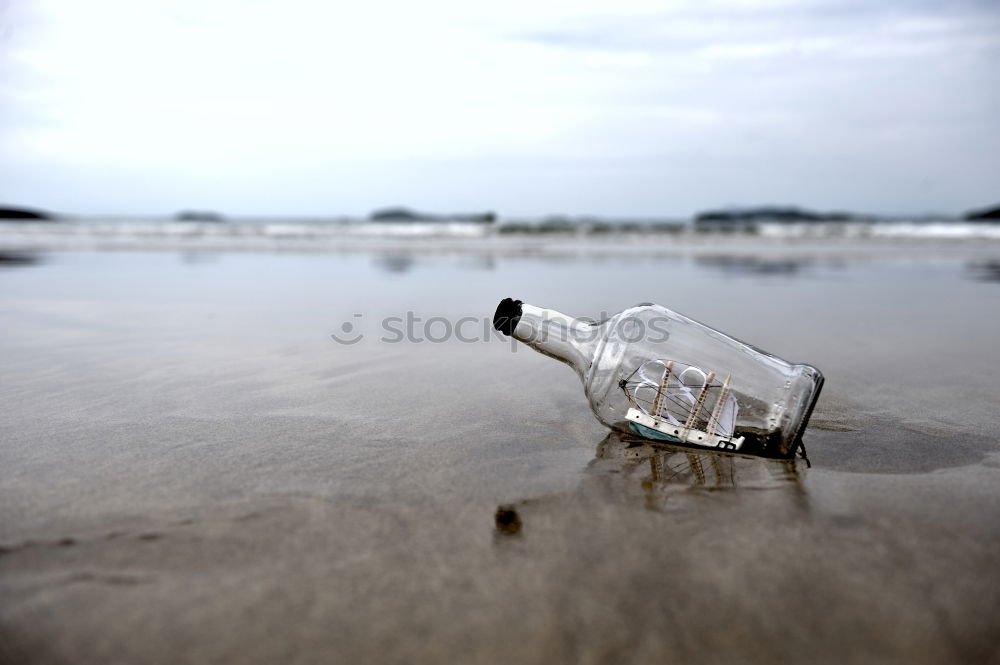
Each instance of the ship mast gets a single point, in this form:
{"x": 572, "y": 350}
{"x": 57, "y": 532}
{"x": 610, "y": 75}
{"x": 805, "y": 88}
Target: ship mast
{"x": 698, "y": 404}
{"x": 713, "y": 422}
{"x": 655, "y": 411}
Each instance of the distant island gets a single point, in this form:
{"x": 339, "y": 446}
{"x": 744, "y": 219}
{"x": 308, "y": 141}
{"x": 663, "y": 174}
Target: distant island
{"x": 719, "y": 220}
{"x": 25, "y": 215}
{"x": 983, "y": 214}
{"x": 407, "y": 215}
{"x": 198, "y": 216}
{"x": 789, "y": 214}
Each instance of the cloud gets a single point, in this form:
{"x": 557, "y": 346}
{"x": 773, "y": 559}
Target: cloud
{"x": 407, "y": 97}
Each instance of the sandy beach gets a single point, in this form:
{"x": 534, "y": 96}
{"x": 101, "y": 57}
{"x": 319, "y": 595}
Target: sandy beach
{"x": 195, "y": 471}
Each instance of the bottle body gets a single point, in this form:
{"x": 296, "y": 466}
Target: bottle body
{"x": 656, "y": 373}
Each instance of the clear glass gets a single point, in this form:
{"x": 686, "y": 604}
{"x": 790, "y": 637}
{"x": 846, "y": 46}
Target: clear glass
{"x": 656, "y": 373}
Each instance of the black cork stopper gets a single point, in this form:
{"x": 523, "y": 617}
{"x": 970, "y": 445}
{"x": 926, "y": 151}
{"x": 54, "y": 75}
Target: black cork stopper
{"x": 507, "y": 315}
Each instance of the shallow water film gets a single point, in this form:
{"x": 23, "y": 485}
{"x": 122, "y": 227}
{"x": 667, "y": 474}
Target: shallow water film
{"x": 250, "y": 456}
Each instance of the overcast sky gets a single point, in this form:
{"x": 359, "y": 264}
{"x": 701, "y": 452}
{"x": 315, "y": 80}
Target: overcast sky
{"x": 620, "y": 107}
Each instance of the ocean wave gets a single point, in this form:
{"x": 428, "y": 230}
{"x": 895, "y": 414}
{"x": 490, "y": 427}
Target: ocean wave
{"x": 896, "y": 230}
{"x": 320, "y": 235}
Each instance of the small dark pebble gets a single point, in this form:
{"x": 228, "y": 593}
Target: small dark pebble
{"x": 507, "y": 520}
{"x": 150, "y": 536}
{"x": 66, "y": 542}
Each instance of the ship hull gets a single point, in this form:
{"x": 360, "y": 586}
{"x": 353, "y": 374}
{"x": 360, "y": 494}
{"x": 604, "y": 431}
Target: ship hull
{"x": 657, "y": 429}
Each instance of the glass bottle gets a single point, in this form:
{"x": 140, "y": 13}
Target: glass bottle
{"x": 656, "y": 373}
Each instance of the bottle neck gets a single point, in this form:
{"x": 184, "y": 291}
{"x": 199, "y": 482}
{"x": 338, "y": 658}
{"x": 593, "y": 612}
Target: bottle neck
{"x": 559, "y": 336}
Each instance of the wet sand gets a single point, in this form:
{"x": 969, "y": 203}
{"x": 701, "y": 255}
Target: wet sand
{"x": 194, "y": 471}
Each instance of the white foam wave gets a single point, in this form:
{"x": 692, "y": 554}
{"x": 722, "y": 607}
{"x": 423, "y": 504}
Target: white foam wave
{"x": 331, "y": 235}
{"x": 897, "y": 230}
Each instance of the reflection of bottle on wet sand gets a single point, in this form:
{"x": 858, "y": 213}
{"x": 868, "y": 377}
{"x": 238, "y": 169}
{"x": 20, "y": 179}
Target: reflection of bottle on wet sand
{"x": 672, "y": 464}
{"x": 658, "y": 475}
{"x": 652, "y": 372}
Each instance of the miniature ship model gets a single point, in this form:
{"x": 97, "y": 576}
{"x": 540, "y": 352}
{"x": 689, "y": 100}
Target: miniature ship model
{"x": 671, "y": 401}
